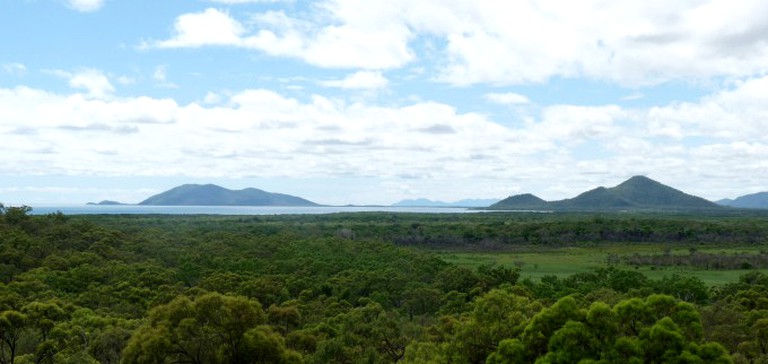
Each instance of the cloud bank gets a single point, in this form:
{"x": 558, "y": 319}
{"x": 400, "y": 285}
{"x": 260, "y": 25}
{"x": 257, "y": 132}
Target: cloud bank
{"x": 258, "y": 132}
{"x": 489, "y": 42}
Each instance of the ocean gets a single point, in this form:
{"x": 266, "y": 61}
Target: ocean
{"x": 232, "y": 210}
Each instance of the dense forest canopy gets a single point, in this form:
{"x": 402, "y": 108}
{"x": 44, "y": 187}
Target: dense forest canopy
{"x": 368, "y": 287}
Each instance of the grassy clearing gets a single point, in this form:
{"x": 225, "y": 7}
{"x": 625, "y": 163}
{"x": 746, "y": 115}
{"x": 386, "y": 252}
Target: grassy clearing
{"x": 536, "y": 262}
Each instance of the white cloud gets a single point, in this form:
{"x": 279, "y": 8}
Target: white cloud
{"x": 160, "y": 74}
{"x": 231, "y": 135}
{"x": 633, "y": 96}
{"x": 739, "y": 114}
{"x": 212, "y": 98}
{"x": 86, "y": 5}
{"x": 234, "y": 2}
{"x": 575, "y": 124}
{"x": 95, "y": 83}
{"x": 631, "y": 43}
{"x": 509, "y": 98}
{"x": 344, "y": 46}
{"x": 362, "y": 80}
{"x": 257, "y": 130}
{"x": 16, "y": 69}
{"x": 486, "y": 41}
{"x": 161, "y": 77}
{"x": 211, "y": 27}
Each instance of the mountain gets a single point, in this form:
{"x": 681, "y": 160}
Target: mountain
{"x": 752, "y": 201}
{"x": 600, "y": 198}
{"x": 213, "y": 195}
{"x": 525, "y": 201}
{"x": 636, "y": 193}
{"x": 423, "y": 202}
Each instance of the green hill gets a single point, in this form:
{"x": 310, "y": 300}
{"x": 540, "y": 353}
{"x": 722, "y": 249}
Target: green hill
{"x": 636, "y": 193}
{"x": 598, "y": 199}
{"x": 647, "y": 192}
{"x": 752, "y": 201}
{"x": 524, "y": 201}
{"x": 213, "y": 195}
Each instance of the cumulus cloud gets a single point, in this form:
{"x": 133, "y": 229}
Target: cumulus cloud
{"x": 486, "y": 41}
{"x": 233, "y": 2}
{"x": 362, "y": 80}
{"x": 575, "y": 124}
{"x": 86, "y": 5}
{"x": 254, "y": 130}
{"x": 211, "y": 27}
{"x": 231, "y": 135}
{"x": 95, "y": 83}
{"x": 736, "y": 114}
{"x": 344, "y": 46}
{"x": 509, "y": 98}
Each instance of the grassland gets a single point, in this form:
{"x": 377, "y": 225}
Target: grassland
{"x": 535, "y": 262}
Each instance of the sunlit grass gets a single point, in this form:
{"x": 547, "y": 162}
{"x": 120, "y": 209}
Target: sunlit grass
{"x": 536, "y": 262}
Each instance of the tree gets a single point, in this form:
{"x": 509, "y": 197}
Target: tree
{"x": 212, "y": 328}
{"x": 658, "y": 329}
{"x": 11, "y": 325}
{"x": 495, "y": 316}
{"x": 15, "y": 215}
{"x": 541, "y": 328}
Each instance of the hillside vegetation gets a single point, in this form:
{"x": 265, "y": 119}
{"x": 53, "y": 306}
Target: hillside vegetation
{"x": 752, "y": 201}
{"x": 638, "y": 193}
{"x": 213, "y": 195}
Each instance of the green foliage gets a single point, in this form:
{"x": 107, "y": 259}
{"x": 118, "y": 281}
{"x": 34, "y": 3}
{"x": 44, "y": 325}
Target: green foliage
{"x": 339, "y": 289}
{"x": 212, "y": 328}
{"x": 658, "y": 329}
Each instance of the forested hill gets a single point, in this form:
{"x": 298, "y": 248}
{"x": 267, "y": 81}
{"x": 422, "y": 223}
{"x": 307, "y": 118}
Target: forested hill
{"x": 637, "y": 193}
{"x": 752, "y": 201}
{"x": 213, "y": 195}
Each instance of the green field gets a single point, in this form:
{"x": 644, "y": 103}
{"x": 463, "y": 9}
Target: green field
{"x": 536, "y": 262}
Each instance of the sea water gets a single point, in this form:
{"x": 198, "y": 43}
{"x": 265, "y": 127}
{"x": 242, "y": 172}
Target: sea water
{"x": 232, "y": 210}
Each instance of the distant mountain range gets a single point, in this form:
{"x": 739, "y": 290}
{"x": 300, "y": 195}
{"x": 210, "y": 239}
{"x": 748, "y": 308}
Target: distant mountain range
{"x": 423, "y": 202}
{"x": 636, "y": 193}
{"x": 213, "y": 195}
{"x": 752, "y": 201}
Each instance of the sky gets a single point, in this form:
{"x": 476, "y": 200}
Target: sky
{"x": 375, "y": 101}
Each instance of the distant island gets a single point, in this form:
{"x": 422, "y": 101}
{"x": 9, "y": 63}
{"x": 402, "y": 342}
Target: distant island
{"x": 213, "y": 195}
{"x": 106, "y": 203}
{"x": 638, "y": 193}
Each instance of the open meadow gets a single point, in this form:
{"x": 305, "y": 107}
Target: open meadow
{"x": 537, "y": 262}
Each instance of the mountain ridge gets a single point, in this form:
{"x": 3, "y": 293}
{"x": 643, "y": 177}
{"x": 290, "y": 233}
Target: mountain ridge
{"x": 636, "y": 193}
{"x": 757, "y": 200}
{"x": 213, "y": 195}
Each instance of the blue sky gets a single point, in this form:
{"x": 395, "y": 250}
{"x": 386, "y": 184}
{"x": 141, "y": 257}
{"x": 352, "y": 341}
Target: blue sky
{"x": 372, "y": 102}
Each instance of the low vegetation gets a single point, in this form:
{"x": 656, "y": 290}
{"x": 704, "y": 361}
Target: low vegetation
{"x": 372, "y": 288}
